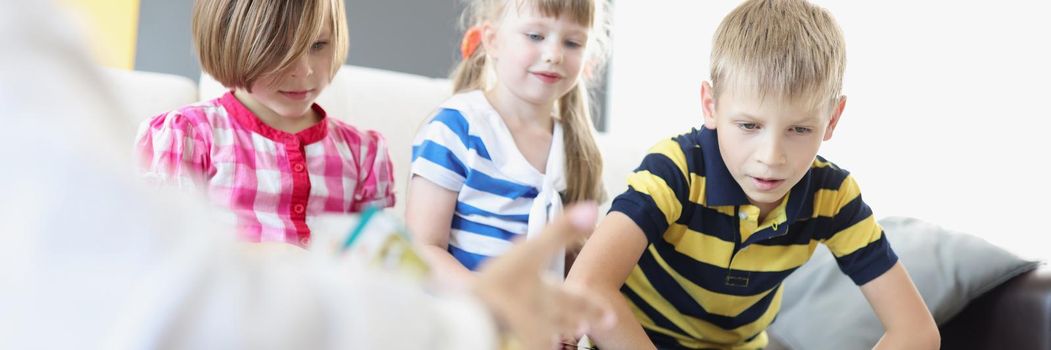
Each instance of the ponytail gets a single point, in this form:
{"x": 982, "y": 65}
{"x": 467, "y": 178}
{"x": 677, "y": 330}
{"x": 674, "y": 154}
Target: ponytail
{"x": 470, "y": 73}
{"x": 583, "y": 160}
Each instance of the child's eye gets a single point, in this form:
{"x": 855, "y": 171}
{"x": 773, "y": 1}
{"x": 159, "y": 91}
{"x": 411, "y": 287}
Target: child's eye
{"x": 319, "y": 45}
{"x": 574, "y": 44}
{"x": 534, "y": 36}
{"x": 748, "y": 126}
{"x": 800, "y": 130}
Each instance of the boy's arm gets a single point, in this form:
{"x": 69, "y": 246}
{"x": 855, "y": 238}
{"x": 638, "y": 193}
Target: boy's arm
{"x": 902, "y": 311}
{"x": 863, "y": 252}
{"x": 428, "y": 215}
{"x": 602, "y": 267}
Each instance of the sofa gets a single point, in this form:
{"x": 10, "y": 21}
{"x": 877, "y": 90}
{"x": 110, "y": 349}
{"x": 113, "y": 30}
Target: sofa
{"x": 1015, "y": 314}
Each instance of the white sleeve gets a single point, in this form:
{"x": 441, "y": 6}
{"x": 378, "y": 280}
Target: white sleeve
{"x": 402, "y": 316}
{"x": 268, "y": 303}
{"x": 154, "y": 282}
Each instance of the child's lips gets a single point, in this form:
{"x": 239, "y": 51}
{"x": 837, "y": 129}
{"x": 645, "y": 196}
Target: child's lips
{"x": 765, "y": 184}
{"x": 296, "y": 94}
{"x": 548, "y": 77}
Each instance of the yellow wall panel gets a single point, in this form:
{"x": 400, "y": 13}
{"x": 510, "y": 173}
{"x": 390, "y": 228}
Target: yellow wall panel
{"x": 112, "y": 28}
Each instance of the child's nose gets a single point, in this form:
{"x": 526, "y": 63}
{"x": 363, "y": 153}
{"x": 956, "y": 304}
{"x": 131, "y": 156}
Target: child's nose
{"x": 771, "y": 152}
{"x": 554, "y": 53}
{"x": 301, "y": 67}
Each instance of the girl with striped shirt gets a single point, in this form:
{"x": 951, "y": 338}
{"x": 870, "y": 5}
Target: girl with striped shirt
{"x": 500, "y": 158}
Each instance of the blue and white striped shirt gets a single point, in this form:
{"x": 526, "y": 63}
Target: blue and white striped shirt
{"x": 466, "y": 147}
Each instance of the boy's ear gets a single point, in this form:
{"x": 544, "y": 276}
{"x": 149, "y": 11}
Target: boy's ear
{"x": 837, "y": 112}
{"x": 708, "y": 105}
{"x": 489, "y": 38}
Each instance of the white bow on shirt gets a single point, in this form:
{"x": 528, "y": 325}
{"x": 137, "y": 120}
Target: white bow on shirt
{"x": 548, "y": 203}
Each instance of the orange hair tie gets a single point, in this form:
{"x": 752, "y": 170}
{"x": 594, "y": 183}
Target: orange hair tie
{"x": 471, "y": 38}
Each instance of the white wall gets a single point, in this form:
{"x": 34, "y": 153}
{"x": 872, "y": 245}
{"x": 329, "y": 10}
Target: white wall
{"x": 946, "y": 118}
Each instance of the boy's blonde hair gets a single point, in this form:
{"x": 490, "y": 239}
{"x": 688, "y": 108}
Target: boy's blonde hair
{"x": 583, "y": 160}
{"x": 789, "y": 49}
{"x": 239, "y": 41}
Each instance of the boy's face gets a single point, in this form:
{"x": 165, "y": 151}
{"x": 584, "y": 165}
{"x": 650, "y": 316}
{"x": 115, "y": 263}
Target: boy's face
{"x": 767, "y": 144}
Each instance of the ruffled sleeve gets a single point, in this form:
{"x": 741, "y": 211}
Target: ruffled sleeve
{"x": 375, "y": 174}
{"x": 173, "y": 149}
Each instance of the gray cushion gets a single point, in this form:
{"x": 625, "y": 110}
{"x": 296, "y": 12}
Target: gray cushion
{"x": 824, "y": 309}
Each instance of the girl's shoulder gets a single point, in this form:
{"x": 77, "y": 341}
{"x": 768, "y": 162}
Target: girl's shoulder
{"x": 466, "y": 110}
{"x": 203, "y": 115}
{"x": 349, "y": 133}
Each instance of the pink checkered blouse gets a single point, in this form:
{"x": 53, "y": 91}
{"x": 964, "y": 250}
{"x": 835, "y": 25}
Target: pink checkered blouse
{"x": 273, "y": 181}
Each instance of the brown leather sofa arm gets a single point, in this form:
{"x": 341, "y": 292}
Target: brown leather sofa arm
{"x": 1015, "y": 315}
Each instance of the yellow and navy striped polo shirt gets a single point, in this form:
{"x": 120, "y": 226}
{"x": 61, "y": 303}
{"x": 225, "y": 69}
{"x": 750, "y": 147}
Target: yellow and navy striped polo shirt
{"x": 711, "y": 275}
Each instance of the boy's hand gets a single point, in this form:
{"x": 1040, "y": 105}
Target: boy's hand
{"x": 536, "y": 310}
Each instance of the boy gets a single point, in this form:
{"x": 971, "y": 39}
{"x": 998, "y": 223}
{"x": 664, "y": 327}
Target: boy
{"x": 715, "y": 219}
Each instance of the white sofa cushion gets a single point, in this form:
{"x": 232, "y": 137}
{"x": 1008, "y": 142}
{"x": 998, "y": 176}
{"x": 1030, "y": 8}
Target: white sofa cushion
{"x": 142, "y": 95}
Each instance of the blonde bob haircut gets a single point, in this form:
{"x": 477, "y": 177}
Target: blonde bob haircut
{"x": 239, "y": 41}
{"x": 787, "y": 49}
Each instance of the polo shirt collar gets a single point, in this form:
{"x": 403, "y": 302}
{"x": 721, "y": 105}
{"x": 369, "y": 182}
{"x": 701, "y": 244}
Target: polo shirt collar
{"x": 721, "y": 188}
